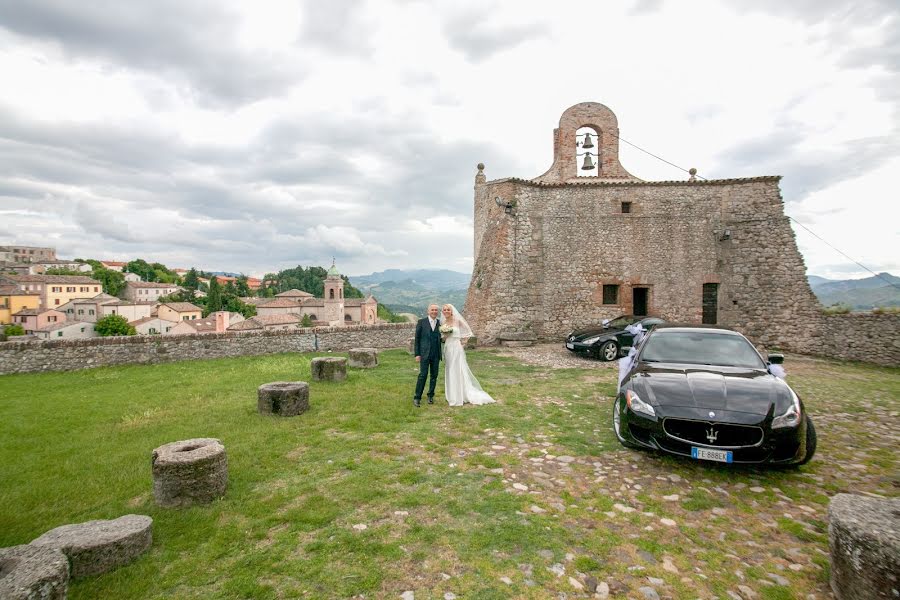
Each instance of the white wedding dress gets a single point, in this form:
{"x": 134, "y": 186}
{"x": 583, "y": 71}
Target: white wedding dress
{"x": 460, "y": 385}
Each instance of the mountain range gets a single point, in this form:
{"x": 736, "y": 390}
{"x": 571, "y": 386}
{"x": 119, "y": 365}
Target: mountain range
{"x": 413, "y": 290}
{"x": 860, "y": 294}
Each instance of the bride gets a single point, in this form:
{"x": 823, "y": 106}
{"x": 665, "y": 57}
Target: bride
{"x": 460, "y": 386}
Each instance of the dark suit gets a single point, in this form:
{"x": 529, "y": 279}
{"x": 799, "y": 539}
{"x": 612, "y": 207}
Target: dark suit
{"x": 428, "y": 347}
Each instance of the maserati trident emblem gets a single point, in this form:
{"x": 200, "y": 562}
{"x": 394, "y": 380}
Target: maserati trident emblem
{"x": 711, "y": 435}
{"x": 711, "y": 414}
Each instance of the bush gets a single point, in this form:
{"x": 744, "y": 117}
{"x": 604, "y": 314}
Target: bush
{"x": 837, "y": 309}
{"x": 886, "y": 310}
{"x": 15, "y": 329}
{"x": 114, "y": 325}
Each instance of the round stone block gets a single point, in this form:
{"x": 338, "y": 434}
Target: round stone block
{"x": 329, "y": 368}
{"x": 189, "y": 472}
{"x": 33, "y": 573}
{"x": 364, "y": 358}
{"x": 283, "y": 398}
{"x": 864, "y": 540}
{"x": 96, "y": 547}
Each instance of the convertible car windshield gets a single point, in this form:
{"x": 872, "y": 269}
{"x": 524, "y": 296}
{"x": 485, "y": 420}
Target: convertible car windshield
{"x": 622, "y": 322}
{"x": 703, "y": 348}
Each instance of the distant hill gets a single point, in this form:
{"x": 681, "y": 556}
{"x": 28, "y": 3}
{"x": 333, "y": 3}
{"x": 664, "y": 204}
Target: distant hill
{"x": 861, "y": 294}
{"x": 434, "y": 279}
{"x": 412, "y": 291}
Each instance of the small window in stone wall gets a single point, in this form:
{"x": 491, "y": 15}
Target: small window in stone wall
{"x": 626, "y": 208}
{"x": 610, "y": 294}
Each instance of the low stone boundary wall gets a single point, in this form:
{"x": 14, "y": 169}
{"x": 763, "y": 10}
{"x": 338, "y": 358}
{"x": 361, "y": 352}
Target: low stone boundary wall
{"x": 72, "y": 355}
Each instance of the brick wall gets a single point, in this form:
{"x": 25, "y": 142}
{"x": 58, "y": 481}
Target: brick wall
{"x": 71, "y": 355}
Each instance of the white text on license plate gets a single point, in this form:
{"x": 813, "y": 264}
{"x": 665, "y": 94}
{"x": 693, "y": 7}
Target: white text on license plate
{"x": 710, "y": 454}
{"x": 570, "y": 345}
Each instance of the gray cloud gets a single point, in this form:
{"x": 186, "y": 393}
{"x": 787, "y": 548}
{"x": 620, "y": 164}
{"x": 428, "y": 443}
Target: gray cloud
{"x": 478, "y": 39}
{"x": 192, "y": 42}
{"x": 337, "y": 26}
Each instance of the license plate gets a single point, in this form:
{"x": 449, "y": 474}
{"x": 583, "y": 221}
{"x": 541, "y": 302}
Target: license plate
{"x": 570, "y": 345}
{"x": 710, "y": 454}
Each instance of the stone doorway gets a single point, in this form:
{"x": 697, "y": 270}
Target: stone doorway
{"x": 639, "y": 297}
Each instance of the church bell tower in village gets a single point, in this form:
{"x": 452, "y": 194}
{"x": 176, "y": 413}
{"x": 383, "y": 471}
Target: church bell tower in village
{"x": 334, "y": 297}
{"x": 587, "y": 241}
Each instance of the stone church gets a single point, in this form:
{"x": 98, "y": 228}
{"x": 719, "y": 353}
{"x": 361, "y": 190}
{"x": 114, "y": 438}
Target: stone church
{"x": 587, "y": 240}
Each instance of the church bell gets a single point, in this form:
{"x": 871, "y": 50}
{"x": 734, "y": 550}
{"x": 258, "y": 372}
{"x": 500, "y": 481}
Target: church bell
{"x": 588, "y": 163}
{"x": 588, "y": 143}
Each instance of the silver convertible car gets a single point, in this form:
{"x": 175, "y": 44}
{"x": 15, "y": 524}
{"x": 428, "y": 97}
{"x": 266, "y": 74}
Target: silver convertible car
{"x": 707, "y": 394}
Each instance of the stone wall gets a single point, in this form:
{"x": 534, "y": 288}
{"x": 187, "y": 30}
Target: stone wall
{"x": 71, "y": 355}
{"x": 865, "y": 337}
{"x": 543, "y": 266}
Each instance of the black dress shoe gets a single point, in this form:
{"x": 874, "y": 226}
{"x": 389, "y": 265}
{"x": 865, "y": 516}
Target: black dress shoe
{"x": 417, "y": 402}
{"x": 430, "y": 399}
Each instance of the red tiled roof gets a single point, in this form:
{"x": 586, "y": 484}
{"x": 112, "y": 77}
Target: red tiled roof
{"x": 280, "y": 303}
{"x": 599, "y": 182}
{"x": 51, "y": 279}
{"x": 182, "y": 306}
{"x": 295, "y": 293}
{"x": 150, "y": 284}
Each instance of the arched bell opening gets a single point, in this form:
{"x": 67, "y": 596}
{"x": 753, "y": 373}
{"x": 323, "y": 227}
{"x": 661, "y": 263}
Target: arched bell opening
{"x": 587, "y": 152}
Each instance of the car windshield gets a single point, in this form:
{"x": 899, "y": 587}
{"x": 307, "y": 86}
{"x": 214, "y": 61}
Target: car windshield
{"x": 701, "y": 347}
{"x": 621, "y": 322}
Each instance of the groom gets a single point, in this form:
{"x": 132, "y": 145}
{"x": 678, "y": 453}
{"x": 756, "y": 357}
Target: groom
{"x": 428, "y": 353}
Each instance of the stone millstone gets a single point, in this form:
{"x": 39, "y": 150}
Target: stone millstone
{"x": 189, "y": 472}
{"x": 364, "y": 358}
{"x": 864, "y": 539}
{"x": 33, "y": 573}
{"x": 97, "y": 547}
{"x": 516, "y": 343}
{"x": 329, "y": 368}
{"x": 283, "y": 398}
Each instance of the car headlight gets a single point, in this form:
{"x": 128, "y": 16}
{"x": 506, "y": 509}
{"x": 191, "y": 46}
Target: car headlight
{"x": 637, "y": 405}
{"x": 791, "y": 417}
{"x": 590, "y": 340}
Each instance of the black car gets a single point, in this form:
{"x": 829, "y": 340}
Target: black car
{"x": 707, "y": 394}
{"x": 606, "y": 341}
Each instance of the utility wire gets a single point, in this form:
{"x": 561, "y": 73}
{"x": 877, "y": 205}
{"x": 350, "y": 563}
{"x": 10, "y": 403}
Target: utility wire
{"x": 657, "y": 157}
{"x": 878, "y": 275}
{"x": 889, "y": 282}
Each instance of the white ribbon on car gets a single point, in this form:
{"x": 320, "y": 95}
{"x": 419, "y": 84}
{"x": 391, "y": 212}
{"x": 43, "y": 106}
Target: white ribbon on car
{"x": 778, "y": 371}
{"x": 625, "y": 364}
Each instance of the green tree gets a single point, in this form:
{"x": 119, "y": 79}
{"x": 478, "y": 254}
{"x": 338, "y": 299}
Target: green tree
{"x": 114, "y": 325}
{"x": 306, "y": 321}
{"x": 62, "y": 271}
{"x": 386, "y": 314}
{"x": 191, "y": 280}
{"x": 242, "y": 286}
{"x": 15, "y": 329}
{"x": 213, "y": 297}
{"x": 140, "y": 268}
{"x": 235, "y": 304}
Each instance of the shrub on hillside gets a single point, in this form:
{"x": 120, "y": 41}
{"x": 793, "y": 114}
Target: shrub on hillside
{"x": 837, "y": 309}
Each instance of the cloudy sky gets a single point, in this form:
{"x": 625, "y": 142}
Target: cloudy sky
{"x": 257, "y": 136}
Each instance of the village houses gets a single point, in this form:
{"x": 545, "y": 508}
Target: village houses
{"x": 13, "y": 299}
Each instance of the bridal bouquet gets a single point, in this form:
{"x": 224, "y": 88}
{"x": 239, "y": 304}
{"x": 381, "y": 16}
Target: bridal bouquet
{"x": 446, "y": 330}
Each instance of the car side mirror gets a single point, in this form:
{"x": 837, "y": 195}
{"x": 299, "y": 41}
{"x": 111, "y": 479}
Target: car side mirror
{"x": 776, "y": 359}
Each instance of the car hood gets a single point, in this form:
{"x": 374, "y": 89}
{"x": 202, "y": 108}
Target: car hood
{"x": 588, "y": 332}
{"x": 722, "y": 388}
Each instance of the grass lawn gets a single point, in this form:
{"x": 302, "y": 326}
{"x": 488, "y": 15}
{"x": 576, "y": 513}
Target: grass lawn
{"x": 366, "y": 496}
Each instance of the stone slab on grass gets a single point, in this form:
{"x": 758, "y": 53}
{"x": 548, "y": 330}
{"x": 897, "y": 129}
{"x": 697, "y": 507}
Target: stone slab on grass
{"x": 363, "y": 358}
{"x": 189, "y": 472}
{"x": 864, "y": 540}
{"x": 33, "y": 573}
{"x": 283, "y": 398}
{"x": 96, "y": 547}
{"x": 329, "y": 368}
